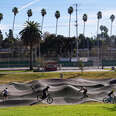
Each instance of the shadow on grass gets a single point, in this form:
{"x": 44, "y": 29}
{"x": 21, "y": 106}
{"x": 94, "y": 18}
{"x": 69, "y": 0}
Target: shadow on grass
{"x": 1, "y": 75}
{"x": 76, "y": 75}
{"x": 110, "y": 108}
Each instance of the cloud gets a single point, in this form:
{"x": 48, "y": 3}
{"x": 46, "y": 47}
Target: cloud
{"x": 107, "y": 13}
{"x": 28, "y": 4}
{"x": 4, "y": 27}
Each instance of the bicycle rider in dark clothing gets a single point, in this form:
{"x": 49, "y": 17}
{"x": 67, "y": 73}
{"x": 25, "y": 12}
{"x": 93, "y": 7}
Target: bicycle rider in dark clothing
{"x": 84, "y": 89}
{"x": 45, "y": 92}
{"x": 110, "y": 95}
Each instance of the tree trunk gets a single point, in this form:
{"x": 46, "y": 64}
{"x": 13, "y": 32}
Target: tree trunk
{"x": 84, "y": 29}
{"x": 98, "y": 43}
{"x": 28, "y": 18}
{"x": 56, "y": 26}
{"x": 69, "y": 24}
{"x": 39, "y": 50}
{"x": 111, "y": 42}
{"x": 70, "y": 42}
{"x": 31, "y": 65}
{"x": 42, "y": 23}
{"x": 111, "y": 30}
{"x": 13, "y": 23}
{"x": 70, "y": 51}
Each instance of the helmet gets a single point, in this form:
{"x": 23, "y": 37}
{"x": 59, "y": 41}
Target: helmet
{"x": 48, "y": 87}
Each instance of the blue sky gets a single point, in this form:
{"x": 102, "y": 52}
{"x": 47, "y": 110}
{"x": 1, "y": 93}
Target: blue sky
{"x": 90, "y": 7}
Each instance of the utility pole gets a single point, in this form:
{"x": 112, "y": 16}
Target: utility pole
{"x": 76, "y": 25}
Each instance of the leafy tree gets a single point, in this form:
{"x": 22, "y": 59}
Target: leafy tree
{"x": 1, "y": 16}
{"x": 81, "y": 66}
{"x": 1, "y": 38}
{"x": 30, "y": 36}
{"x": 9, "y": 40}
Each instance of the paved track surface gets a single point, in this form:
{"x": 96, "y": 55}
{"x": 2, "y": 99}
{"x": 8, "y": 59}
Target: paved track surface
{"x": 63, "y": 91}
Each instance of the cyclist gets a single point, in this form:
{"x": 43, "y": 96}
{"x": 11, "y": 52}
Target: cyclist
{"x": 110, "y": 95}
{"x": 45, "y": 92}
{"x": 84, "y": 89}
{"x": 5, "y": 94}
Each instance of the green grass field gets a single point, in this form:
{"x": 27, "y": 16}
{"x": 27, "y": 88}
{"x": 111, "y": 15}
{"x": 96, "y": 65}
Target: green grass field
{"x": 21, "y": 76}
{"x": 61, "y": 110}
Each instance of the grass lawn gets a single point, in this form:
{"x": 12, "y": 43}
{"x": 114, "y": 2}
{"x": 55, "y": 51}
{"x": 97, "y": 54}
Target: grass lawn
{"x": 62, "y": 110}
{"x": 29, "y": 76}
{"x": 88, "y": 109}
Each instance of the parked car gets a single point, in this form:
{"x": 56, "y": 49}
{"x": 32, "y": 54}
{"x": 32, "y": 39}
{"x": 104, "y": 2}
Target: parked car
{"x": 51, "y": 66}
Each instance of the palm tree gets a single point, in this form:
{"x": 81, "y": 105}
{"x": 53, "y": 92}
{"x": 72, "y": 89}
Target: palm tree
{"x": 101, "y": 28}
{"x": 99, "y": 16}
{"x": 29, "y": 13}
{"x": 84, "y": 20}
{"x": 30, "y": 36}
{"x": 43, "y": 13}
{"x": 70, "y": 11}
{"x": 1, "y": 16}
{"x": 57, "y": 15}
{"x": 112, "y": 18}
{"x": 15, "y": 11}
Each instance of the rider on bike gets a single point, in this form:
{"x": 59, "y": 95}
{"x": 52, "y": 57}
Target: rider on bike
{"x": 45, "y": 92}
{"x": 110, "y": 95}
{"x": 84, "y": 89}
{"x": 5, "y": 94}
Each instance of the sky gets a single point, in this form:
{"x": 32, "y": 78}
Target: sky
{"x": 90, "y": 7}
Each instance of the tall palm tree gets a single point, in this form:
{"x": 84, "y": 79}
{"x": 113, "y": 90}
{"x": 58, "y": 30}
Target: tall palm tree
{"x": 112, "y": 18}
{"x": 29, "y": 13}
{"x": 1, "y": 16}
{"x": 70, "y": 11}
{"x": 15, "y": 11}
{"x": 99, "y": 16}
{"x": 43, "y": 13}
{"x": 30, "y": 36}
{"x": 57, "y": 15}
{"x": 84, "y": 21}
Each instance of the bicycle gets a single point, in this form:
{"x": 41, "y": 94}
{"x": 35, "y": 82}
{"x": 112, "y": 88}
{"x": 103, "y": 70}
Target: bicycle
{"x": 109, "y": 100}
{"x": 48, "y": 98}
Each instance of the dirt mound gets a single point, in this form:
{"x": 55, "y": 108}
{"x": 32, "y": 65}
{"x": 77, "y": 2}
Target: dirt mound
{"x": 63, "y": 91}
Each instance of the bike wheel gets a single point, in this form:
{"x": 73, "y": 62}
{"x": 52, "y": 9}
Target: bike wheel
{"x": 105, "y": 100}
{"x": 49, "y": 100}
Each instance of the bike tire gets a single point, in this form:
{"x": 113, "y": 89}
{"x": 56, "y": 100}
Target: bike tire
{"x": 49, "y": 100}
{"x": 105, "y": 100}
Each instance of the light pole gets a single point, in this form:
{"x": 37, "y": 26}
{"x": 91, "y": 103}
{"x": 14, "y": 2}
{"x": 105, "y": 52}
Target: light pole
{"x": 76, "y": 25}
